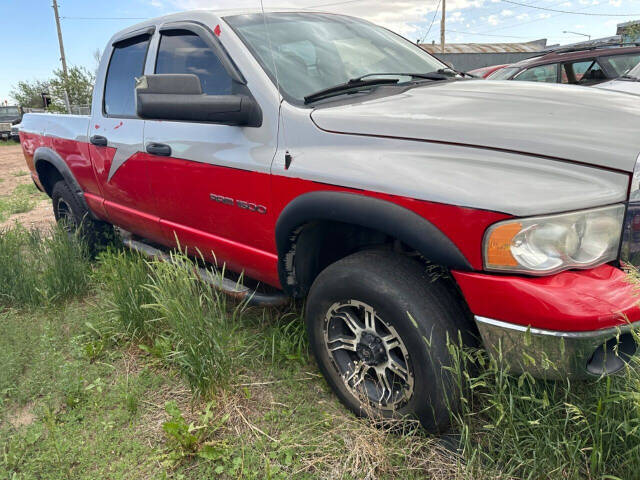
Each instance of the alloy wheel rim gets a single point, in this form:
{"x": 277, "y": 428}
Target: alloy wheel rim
{"x": 65, "y": 216}
{"x": 369, "y": 355}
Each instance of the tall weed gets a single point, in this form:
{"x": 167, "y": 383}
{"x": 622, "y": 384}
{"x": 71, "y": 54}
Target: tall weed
{"x": 180, "y": 318}
{"x": 37, "y": 269}
{"x": 528, "y": 428}
{"x": 126, "y": 276}
{"x": 207, "y": 341}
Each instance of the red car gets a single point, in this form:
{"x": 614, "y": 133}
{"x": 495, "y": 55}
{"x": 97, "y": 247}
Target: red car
{"x": 484, "y": 72}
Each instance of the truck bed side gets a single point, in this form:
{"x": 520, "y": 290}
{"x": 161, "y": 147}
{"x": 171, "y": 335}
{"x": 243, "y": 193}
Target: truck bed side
{"x": 62, "y": 136}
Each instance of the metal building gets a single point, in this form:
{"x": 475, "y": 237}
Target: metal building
{"x": 468, "y": 56}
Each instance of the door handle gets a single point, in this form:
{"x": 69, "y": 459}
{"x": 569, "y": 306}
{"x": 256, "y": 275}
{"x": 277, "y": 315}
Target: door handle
{"x": 99, "y": 141}
{"x": 159, "y": 149}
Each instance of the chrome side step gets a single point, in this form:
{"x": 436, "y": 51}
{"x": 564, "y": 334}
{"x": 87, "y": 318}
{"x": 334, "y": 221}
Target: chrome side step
{"x": 225, "y": 285}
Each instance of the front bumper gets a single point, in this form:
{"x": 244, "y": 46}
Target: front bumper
{"x": 563, "y": 325}
{"x": 553, "y": 354}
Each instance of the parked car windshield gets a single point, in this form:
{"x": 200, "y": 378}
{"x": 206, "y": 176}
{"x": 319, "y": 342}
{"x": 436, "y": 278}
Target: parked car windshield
{"x": 309, "y": 52}
{"x": 503, "y": 73}
{"x": 9, "y": 112}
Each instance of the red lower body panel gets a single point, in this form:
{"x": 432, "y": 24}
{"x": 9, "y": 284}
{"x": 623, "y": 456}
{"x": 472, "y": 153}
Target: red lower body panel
{"x": 234, "y": 256}
{"x": 579, "y": 300}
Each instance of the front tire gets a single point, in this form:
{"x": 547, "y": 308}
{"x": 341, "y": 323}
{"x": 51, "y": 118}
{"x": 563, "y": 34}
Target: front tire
{"x": 378, "y": 326}
{"x": 74, "y": 217}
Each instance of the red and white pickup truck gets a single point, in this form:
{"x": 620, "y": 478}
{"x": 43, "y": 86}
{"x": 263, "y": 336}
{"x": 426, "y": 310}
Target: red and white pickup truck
{"x": 334, "y": 160}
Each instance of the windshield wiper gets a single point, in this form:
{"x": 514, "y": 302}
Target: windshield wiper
{"x": 429, "y": 76}
{"x": 451, "y": 72}
{"x": 361, "y": 82}
{"x": 352, "y": 84}
{"x": 628, "y": 77}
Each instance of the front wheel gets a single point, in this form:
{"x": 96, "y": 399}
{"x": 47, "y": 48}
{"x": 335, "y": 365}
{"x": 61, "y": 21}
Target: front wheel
{"x": 379, "y": 327}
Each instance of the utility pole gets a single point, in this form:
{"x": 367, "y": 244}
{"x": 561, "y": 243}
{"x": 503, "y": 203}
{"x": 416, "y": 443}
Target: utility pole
{"x": 62, "y": 56}
{"x": 444, "y": 12}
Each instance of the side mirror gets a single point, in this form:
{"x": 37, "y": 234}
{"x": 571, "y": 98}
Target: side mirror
{"x": 180, "y": 97}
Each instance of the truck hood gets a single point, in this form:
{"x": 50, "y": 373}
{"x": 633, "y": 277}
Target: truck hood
{"x": 586, "y": 125}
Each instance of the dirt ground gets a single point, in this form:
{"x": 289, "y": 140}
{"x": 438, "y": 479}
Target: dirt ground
{"x": 14, "y": 172}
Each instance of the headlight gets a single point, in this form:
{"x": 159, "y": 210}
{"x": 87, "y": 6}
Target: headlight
{"x": 544, "y": 245}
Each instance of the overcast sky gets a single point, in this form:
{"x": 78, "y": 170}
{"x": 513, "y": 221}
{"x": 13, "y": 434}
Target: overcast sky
{"x": 30, "y": 46}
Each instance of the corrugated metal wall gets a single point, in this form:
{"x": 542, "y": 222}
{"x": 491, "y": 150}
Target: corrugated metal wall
{"x": 468, "y": 61}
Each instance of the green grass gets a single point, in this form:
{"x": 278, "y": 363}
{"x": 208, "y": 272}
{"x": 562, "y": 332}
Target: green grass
{"x": 8, "y": 143}
{"x": 38, "y": 269}
{"x": 23, "y": 199}
{"x": 134, "y": 369}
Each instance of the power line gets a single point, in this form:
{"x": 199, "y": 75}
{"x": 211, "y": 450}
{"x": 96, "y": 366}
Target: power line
{"x": 431, "y": 24}
{"x": 488, "y": 34}
{"x": 491, "y": 11}
{"x": 103, "y": 18}
{"x": 572, "y": 12}
{"x": 345, "y": 2}
{"x": 499, "y": 36}
{"x": 519, "y": 24}
{"x": 332, "y": 4}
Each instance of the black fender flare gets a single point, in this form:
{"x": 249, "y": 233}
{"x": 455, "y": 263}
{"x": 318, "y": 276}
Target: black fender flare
{"x": 381, "y": 215}
{"x": 44, "y": 155}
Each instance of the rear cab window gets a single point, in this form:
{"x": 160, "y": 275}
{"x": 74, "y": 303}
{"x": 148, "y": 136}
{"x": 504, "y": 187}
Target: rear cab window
{"x": 126, "y": 63}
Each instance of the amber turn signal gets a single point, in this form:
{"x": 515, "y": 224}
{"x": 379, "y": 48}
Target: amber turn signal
{"x": 498, "y": 245}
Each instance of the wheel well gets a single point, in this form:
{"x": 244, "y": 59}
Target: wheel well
{"x": 318, "y": 244}
{"x": 48, "y": 175}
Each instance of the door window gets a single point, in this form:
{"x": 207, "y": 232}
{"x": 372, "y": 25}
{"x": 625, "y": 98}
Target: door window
{"x": 181, "y": 51}
{"x": 127, "y": 63}
{"x": 543, "y": 73}
{"x": 584, "y": 72}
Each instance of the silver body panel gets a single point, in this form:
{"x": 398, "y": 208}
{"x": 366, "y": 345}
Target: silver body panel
{"x": 69, "y": 127}
{"x": 517, "y": 184}
{"x": 561, "y": 121}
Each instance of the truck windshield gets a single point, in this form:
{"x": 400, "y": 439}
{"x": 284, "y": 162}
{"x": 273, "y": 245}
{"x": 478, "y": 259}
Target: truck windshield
{"x": 309, "y": 52}
{"x": 9, "y": 112}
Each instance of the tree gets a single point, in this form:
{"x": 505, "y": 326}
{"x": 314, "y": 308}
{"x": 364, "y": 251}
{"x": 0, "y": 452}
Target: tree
{"x": 79, "y": 85}
{"x": 29, "y": 93}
